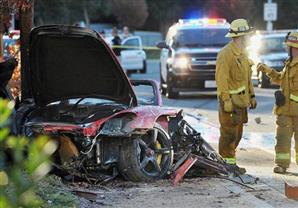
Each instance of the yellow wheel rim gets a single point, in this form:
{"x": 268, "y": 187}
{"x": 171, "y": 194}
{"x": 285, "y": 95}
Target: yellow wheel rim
{"x": 159, "y": 156}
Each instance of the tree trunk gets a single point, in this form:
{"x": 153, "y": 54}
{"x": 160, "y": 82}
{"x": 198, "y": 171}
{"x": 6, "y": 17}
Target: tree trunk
{"x": 26, "y": 24}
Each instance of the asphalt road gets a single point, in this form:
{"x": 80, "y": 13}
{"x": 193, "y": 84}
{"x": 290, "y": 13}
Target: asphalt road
{"x": 207, "y": 104}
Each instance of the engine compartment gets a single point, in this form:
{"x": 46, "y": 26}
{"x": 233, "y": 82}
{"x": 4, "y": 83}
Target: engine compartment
{"x": 76, "y": 114}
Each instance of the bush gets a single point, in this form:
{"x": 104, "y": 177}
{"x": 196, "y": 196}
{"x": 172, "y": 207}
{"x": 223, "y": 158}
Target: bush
{"x": 23, "y": 162}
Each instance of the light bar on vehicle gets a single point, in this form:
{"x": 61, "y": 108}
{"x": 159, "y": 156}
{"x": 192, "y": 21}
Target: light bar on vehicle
{"x": 205, "y": 21}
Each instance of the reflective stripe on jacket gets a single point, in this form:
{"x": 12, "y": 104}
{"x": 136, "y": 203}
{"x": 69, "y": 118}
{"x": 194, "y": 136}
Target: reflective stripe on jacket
{"x": 237, "y": 91}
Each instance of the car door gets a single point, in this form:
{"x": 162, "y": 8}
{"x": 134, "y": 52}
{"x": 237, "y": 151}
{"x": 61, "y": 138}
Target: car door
{"x": 132, "y": 54}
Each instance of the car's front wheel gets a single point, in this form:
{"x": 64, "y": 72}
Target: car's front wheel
{"x": 146, "y": 160}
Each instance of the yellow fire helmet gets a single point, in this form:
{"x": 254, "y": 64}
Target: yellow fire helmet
{"x": 239, "y": 27}
{"x": 292, "y": 39}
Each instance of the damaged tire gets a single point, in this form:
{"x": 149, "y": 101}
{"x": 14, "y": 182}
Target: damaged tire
{"x": 145, "y": 160}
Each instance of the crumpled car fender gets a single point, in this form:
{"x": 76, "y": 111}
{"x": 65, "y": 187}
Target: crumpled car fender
{"x": 147, "y": 116}
{"x": 143, "y": 117}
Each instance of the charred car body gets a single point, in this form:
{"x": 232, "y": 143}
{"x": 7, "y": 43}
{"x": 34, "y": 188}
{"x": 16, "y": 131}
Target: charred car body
{"x": 76, "y": 92}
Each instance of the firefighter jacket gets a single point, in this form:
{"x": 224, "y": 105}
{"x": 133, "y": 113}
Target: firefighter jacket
{"x": 288, "y": 81}
{"x": 233, "y": 76}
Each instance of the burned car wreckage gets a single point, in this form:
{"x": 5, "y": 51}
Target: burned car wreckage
{"x": 76, "y": 92}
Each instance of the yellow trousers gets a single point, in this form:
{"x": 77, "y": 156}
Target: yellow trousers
{"x": 286, "y": 127}
{"x": 231, "y": 129}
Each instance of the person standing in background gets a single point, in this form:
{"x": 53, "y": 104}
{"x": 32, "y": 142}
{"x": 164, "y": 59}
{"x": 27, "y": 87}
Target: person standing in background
{"x": 116, "y": 42}
{"x": 126, "y": 32}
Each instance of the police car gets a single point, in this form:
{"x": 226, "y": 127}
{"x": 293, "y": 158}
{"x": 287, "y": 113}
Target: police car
{"x": 133, "y": 57}
{"x": 188, "y": 55}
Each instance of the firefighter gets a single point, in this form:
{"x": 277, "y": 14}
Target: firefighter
{"x": 234, "y": 90}
{"x": 286, "y": 104}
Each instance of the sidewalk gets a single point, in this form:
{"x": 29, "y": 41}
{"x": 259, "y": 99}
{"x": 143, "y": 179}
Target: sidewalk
{"x": 205, "y": 192}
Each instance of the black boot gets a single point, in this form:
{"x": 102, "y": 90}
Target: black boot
{"x": 279, "y": 169}
{"x": 238, "y": 170}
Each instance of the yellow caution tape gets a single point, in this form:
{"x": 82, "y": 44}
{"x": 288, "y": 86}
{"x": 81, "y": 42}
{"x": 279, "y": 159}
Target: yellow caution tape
{"x": 136, "y": 47}
{"x": 237, "y": 91}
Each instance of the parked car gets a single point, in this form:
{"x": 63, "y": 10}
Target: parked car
{"x": 188, "y": 55}
{"x": 133, "y": 57}
{"x": 76, "y": 92}
{"x": 268, "y": 48}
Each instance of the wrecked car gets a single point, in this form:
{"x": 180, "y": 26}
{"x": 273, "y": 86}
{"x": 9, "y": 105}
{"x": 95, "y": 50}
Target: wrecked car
{"x": 76, "y": 92}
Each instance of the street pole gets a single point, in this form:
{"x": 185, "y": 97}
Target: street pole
{"x": 269, "y": 23}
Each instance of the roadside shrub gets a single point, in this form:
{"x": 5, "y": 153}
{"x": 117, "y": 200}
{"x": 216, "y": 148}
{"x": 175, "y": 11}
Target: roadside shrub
{"x": 23, "y": 162}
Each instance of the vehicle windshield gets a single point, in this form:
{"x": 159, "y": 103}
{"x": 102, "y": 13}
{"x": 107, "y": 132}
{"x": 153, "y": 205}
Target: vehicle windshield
{"x": 201, "y": 37}
{"x": 272, "y": 44}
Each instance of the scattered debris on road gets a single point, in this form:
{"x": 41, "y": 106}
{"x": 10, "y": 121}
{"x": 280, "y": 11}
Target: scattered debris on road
{"x": 258, "y": 120}
{"x": 192, "y": 150}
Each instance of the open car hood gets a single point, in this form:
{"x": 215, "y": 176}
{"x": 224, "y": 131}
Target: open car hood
{"x": 72, "y": 62}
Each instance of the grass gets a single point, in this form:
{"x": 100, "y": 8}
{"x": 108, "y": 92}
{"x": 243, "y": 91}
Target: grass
{"x": 55, "y": 194}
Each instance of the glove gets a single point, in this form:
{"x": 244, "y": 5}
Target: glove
{"x": 228, "y": 106}
{"x": 264, "y": 68}
{"x": 253, "y": 103}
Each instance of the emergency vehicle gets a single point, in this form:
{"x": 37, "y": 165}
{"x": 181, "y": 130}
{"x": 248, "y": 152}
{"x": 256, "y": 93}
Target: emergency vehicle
{"x": 188, "y": 55}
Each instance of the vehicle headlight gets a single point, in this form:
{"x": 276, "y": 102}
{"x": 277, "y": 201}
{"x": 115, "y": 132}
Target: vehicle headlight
{"x": 181, "y": 62}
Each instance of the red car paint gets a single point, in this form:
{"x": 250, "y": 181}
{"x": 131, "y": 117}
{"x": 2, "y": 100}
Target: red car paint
{"x": 144, "y": 118}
